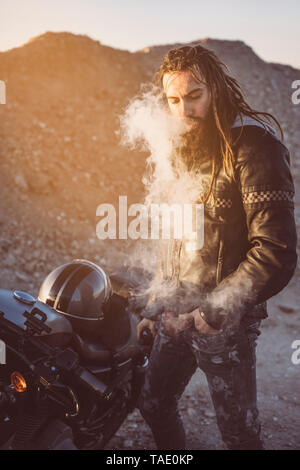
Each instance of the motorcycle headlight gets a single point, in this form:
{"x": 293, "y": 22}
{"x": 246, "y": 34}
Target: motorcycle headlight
{"x": 18, "y": 381}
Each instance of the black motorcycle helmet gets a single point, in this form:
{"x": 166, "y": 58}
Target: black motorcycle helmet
{"x": 80, "y": 290}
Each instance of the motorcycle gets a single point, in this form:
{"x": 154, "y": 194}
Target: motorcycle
{"x": 60, "y": 389}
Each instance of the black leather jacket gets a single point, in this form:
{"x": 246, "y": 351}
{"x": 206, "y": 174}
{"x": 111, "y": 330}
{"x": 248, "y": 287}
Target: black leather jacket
{"x": 249, "y": 251}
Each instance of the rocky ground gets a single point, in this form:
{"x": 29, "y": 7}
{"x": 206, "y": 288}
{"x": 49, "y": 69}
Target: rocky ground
{"x": 60, "y": 157}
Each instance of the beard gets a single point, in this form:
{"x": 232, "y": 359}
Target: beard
{"x": 196, "y": 145}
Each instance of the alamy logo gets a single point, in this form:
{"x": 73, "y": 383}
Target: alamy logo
{"x": 296, "y": 94}
{"x": 153, "y": 222}
{"x": 296, "y": 354}
{"x": 2, "y": 92}
{"x": 2, "y": 352}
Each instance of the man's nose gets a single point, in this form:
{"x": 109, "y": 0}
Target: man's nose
{"x": 185, "y": 110}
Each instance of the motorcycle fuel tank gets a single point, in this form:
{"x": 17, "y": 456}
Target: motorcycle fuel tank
{"x": 39, "y": 319}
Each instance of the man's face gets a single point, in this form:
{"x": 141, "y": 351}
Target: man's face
{"x": 188, "y": 99}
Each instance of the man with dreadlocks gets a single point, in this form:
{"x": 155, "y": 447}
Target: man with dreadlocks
{"x": 249, "y": 252}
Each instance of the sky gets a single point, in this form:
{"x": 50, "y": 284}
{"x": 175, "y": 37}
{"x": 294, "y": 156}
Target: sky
{"x": 270, "y": 27}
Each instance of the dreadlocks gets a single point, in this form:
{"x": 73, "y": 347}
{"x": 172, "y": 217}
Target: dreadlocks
{"x": 227, "y": 99}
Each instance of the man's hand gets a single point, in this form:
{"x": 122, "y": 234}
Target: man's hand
{"x": 201, "y": 325}
{"x": 175, "y": 323}
{"x": 145, "y": 323}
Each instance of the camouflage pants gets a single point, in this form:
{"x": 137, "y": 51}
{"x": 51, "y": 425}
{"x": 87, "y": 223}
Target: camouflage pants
{"x": 228, "y": 361}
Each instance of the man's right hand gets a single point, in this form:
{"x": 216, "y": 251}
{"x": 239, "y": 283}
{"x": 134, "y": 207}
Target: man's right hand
{"x": 145, "y": 323}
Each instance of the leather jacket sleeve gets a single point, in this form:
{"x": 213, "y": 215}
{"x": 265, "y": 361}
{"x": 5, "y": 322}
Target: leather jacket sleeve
{"x": 266, "y": 187}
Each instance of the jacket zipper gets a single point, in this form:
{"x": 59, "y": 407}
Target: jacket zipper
{"x": 220, "y": 260}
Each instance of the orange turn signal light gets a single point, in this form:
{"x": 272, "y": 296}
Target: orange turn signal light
{"x": 18, "y": 381}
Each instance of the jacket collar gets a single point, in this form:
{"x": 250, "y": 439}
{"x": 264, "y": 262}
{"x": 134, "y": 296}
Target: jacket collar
{"x": 248, "y": 121}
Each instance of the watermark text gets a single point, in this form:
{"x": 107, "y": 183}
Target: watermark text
{"x": 296, "y": 354}
{"x": 2, "y": 352}
{"x": 2, "y": 92}
{"x": 155, "y": 221}
{"x": 296, "y": 94}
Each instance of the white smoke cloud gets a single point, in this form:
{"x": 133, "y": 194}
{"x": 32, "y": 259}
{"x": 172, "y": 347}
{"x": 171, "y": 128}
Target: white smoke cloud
{"x": 149, "y": 126}
{"x": 231, "y": 299}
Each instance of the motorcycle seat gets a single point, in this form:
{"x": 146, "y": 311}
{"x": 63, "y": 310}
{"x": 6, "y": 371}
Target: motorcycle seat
{"x": 115, "y": 342}
{"x": 92, "y": 352}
